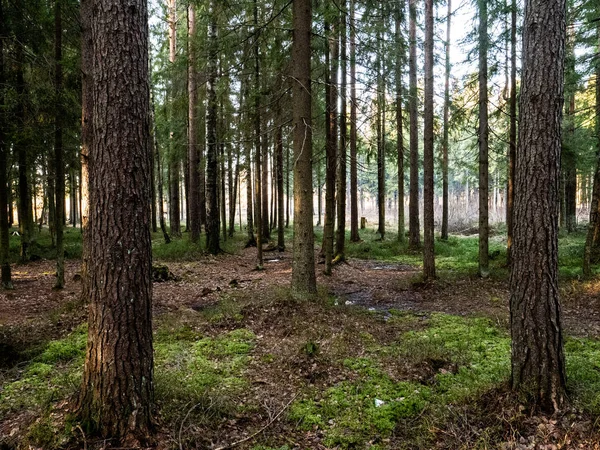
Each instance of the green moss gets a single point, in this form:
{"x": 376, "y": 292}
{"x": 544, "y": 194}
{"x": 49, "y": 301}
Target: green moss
{"x": 583, "y": 373}
{"x": 206, "y": 374}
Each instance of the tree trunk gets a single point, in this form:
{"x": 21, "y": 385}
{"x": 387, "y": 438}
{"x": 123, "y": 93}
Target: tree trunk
{"x": 399, "y": 121}
{"x": 483, "y": 138}
{"x": 381, "y": 134}
{"x": 212, "y": 168}
{"x": 4, "y": 149}
{"x": 117, "y": 391}
{"x": 512, "y": 152}
{"x": 538, "y": 363}
{"x": 414, "y": 238}
{"x": 340, "y": 239}
{"x": 279, "y": 173}
{"x": 303, "y": 268}
{"x": 193, "y": 152}
{"x": 20, "y": 145}
{"x": 444, "y": 233}
{"x": 257, "y": 147}
{"x": 569, "y": 153}
{"x": 59, "y": 168}
{"x": 331, "y": 145}
{"x": 428, "y": 222}
{"x": 354, "y": 236}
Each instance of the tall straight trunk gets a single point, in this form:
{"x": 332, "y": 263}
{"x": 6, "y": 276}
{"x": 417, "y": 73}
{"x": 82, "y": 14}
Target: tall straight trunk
{"x": 592, "y": 242}
{"x": 331, "y": 146}
{"x": 381, "y": 135}
{"x": 537, "y": 356}
{"x": 569, "y": 154}
{"x": 159, "y": 174}
{"x": 59, "y": 169}
{"x": 512, "y": 150}
{"x": 116, "y": 397}
{"x": 264, "y": 185}
{"x": 212, "y": 162}
{"x": 483, "y": 138}
{"x": 399, "y": 122}
{"x": 414, "y": 238}
{"x": 87, "y": 139}
{"x": 279, "y": 173}
{"x": 287, "y": 186}
{"x": 257, "y": 147}
{"x": 174, "y": 163}
{"x": 193, "y": 151}
{"x": 444, "y": 233}
{"x": 4, "y": 149}
{"x": 231, "y": 187}
{"x": 340, "y": 239}
{"x": 20, "y": 145}
{"x": 303, "y": 268}
{"x": 428, "y": 220}
{"x": 354, "y": 236}
{"x": 223, "y": 192}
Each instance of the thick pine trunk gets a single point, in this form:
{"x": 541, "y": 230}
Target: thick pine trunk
{"x": 279, "y": 173}
{"x": 212, "y": 163}
{"x": 483, "y": 138}
{"x": 4, "y": 230}
{"x": 331, "y": 145}
{"x": 340, "y": 239}
{"x": 303, "y": 267}
{"x": 444, "y": 233}
{"x": 354, "y": 236}
{"x": 59, "y": 168}
{"x": 399, "y": 119}
{"x": 428, "y": 222}
{"x": 381, "y": 135}
{"x": 538, "y": 364}
{"x": 116, "y": 397}
{"x": 414, "y": 238}
{"x": 193, "y": 151}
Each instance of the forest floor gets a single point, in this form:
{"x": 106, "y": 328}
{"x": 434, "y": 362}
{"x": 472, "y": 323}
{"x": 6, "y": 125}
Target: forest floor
{"x": 381, "y": 360}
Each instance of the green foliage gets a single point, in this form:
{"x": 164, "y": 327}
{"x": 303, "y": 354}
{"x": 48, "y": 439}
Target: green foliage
{"x": 583, "y": 373}
{"x": 205, "y": 375}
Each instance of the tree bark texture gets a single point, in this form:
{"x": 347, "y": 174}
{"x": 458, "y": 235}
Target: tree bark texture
{"x": 381, "y": 134}
{"x": 193, "y": 151}
{"x": 212, "y": 163}
{"x": 117, "y": 391}
{"x": 59, "y": 168}
{"x": 354, "y": 236}
{"x": 399, "y": 119}
{"x": 444, "y": 232}
{"x": 538, "y": 364}
{"x": 414, "y": 238}
{"x": 303, "y": 266}
{"x": 4, "y": 148}
{"x": 331, "y": 144}
{"x": 340, "y": 239}
{"x": 428, "y": 222}
{"x": 483, "y": 141}
{"x": 279, "y": 167}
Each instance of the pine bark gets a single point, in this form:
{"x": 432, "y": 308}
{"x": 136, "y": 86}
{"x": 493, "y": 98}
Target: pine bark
{"x": 303, "y": 267}
{"x": 212, "y": 163}
{"x": 279, "y": 173}
{"x": 257, "y": 148}
{"x": 340, "y": 239}
{"x": 414, "y": 238}
{"x": 538, "y": 363}
{"x": 444, "y": 232}
{"x": 483, "y": 140}
{"x": 381, "y": 132}
{"x": 428, "y": 219}
{"x": 59, "y": 168}
{"x": 193, "y": 152}
{"x": 117, "y": 392}
{"x": 174, "y": 163}
{"x": 399, "y": 119}
{"x": 4, "y": 149}
{"x": 354, "y": 236}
